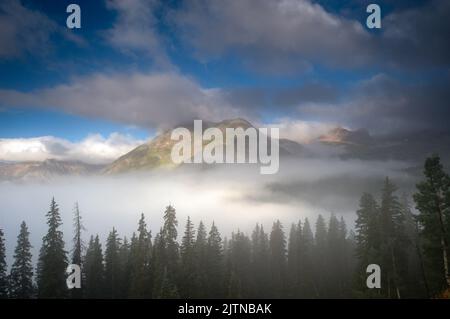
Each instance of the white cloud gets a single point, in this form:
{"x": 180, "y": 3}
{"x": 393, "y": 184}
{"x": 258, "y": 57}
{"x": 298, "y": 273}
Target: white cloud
{"x": 94, "y": 149}
{"x": 135, "y": 29}
{"x": 300, "y": 131}
{"x": 147, "y": 100}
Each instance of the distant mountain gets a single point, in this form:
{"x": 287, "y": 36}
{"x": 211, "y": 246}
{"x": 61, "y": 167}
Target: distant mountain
{"x": 408, "y": 146}
{"x": 156, "y": 153}
{"x": 342, "y": 136}
{"x": 45, "y": 170}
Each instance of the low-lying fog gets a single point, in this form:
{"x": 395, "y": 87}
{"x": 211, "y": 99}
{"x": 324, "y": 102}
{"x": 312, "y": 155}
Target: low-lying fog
{"x": 234, "y": 197}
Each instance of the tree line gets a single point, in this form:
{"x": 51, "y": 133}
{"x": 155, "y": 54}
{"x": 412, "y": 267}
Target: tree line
{"x": 329, "y": 262}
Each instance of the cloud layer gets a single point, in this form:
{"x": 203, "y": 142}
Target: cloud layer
{"x": 94, "y": 149}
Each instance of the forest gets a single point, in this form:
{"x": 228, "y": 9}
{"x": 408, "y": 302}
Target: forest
{"x": 307, "y": 259}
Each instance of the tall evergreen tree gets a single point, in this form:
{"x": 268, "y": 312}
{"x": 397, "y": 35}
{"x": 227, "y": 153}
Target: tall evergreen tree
{"x": 78, "y": 248}
{"x": 433, "y": 202}
{"x": 21, "y": 276}
{"x": 200, "y": 247}
{"x": 393, "y": 241}
{"x": 142, "y": 279}
{"x": 260, "y": 262}
{"x": 188, "y": 276}
{"x": 214, "y": 263}
{"x": 368, "y": 239}
{"x": 113, "y": 266}
{"x": 320, "y": 256}
{"x": 307, "y": 283}
{"x": 94, "y": 269}
{"x": 277, "y": 259}
{"x": 52, "y": 264}
{"x": 3, "y": 268}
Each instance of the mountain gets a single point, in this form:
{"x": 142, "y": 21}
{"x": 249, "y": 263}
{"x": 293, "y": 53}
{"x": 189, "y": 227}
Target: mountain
{"x": 156, "y": 153}
{"x": 45, "y": 170}
{"x": 413, "y": 146}
{"x": 342, "y": 136}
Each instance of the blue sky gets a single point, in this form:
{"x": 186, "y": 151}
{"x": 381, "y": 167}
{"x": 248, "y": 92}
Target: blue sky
{"x": 226, "y": 56}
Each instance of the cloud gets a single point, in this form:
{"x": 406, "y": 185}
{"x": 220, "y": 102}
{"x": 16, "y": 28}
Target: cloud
{"x": 94, "y": 149}
{"x": 148, "y": 100}
{"x": 291, "y": 36}
{"x": 384, "y": 104}
{"x": 135, "y": 29}
{"x": 302, "y": 131}
{"x": 28, "y": 32}
{"x": 274, "y": 36}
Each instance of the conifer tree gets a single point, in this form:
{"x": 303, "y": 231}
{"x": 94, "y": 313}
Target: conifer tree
{"x": 200, "y": 247}
{"x": 368, "y": 238}
{"x": 52, "y": 264}
{"x": 141, "y": 279}
{"x": 433, "y": 202}
{"x": 113, "y": 266}
{"x": 214, "y": 263}
{"x": 320, "y": 256}
{"x": 188, "y": 266}
{"x": 78, "y": 249}
{"x": 393, "y": 241}
{"x": 94, "y": 270}
{"x": 3, "y": 268}
{"x": 21, "y": 275}
{"x": 277, "y": 259}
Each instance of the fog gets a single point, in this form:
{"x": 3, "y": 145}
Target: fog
{"x": 233, "y": 196}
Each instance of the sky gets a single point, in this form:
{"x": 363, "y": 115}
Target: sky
{"x": 139, "y": 66}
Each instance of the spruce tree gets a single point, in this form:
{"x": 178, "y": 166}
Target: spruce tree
{"x": 433, "y": 202}
{"x": 141, "y": 278}
{"x": 52, "y": 264}
{"x": 393, "y": 241}
{"x": 188, "y": 261}
{"x": 214, "y": 263}
{"x": 368, "y": 239}
{"x": 21, "y": 276}
{"x": 200, "y": 247}
{"x": 277, "y": 259}
{"x": 3, "y": 268}
{"x": 113, "y": 266}
{"x": 94, "y": 270}
{"x": 78, "y": 249}
{"x": 320, "y": 256}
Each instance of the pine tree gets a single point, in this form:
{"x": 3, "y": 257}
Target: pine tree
{"x": 293, "y": 259}
{"x": 307, "y": 283}
{"x": 78, "y": 249}
{"x": 368, "y": 238}
{"x": 320, "y": 256}
{"x": 21, "y": 276}
{"x": 3, "y": 268}
{"x": 188, "y": 275}
{"x": 169, "y": 234}
{"x": 433, "y": 202}
{"x": 214, "y": 263}
{"x": 200, "y": 247}
{"x": 393, "y": 241}
{"x": 52, "y": 264}
{"x": 125, "y": 268}
{"x": 260, "y": 262}
{"x": 239, "y": 271}
{"x": 141, "y": 278}
{"x": 113, "y": 266}
{"x": 93, "y": 268}
{"x": 277, "y": 259}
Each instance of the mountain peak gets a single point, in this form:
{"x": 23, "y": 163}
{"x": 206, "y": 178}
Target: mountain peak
{"x": 340, "y": 135}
